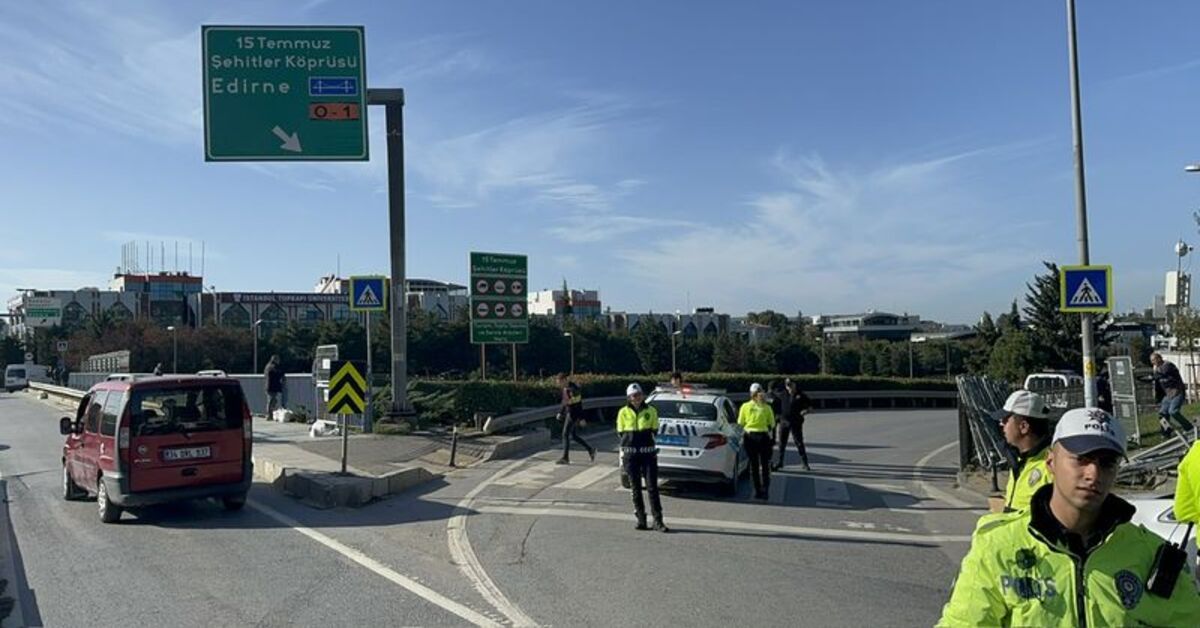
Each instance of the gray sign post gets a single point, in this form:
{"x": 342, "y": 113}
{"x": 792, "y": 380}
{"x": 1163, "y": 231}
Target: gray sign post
{"x": 1124, "y": 394}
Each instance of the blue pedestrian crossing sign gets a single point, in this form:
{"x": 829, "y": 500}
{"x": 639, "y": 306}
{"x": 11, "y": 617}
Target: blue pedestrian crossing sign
{"x": 368, "y": 294}
{"x": 1085, "y": 289}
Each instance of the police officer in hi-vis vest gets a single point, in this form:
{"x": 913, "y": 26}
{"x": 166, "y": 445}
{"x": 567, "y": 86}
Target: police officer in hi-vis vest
{"x": 637, "y": 423}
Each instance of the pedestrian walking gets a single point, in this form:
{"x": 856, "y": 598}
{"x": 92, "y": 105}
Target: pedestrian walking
{"x": 274, "y": 383}
{"x": 1025, "y": 422}
{"x": 637, "y": 423}
{"x": 571, "y": 411}
{"x": 677, "y": 380}
{"x": 795, "y": 406}
{"x": 758, "y": 423}
{"x": 1073, "y": 558}
{"x": 1168, "y": 379}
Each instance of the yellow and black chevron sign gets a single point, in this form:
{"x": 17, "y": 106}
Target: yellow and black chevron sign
{"x": 347, "y": 387}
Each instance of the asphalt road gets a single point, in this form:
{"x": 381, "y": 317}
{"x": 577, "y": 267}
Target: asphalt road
{"x": 867, "y": 538}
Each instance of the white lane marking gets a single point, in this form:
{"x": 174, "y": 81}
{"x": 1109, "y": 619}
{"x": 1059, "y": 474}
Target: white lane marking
{"x": 586, "y": 478}
{"x": 468, "y": 563}
{"x": 933, "y": 491}
{"x": 739, "y": 526}
{"x": 378, "y": 568}
{"x": 536, "y": 476}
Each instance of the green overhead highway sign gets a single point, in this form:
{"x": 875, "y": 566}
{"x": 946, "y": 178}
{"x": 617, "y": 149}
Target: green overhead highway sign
{"x": 284, "y": 93}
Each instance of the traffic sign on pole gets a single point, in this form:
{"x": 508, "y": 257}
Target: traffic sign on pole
{"x": 499, "y": 302}
{"x": 284, "y": 93}
{"x": 1085, "y": 289}
{"x": 368, "y": 294}
{"x": 347, "y": 388}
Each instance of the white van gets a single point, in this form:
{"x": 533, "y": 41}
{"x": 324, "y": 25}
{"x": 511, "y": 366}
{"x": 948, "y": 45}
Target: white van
{"x": 16, "y": 377}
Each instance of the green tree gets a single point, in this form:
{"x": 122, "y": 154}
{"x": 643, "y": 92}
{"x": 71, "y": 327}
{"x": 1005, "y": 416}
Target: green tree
{"x": 1013, "y": 356}
{"x": 731, "y": 354}
{"x": 1056, "y": 335}
{"x": 653, "y": 346}
{"x": 11, "y": 350}
{"x": 774, "y": 320}
{"x": 1010, "y": 320}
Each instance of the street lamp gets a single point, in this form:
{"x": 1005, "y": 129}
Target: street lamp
{"x": 572, "y": 337}
{"x": 174, "y": 350}
{"x": 673, "y": 335}
{"x": 256, "y": 324}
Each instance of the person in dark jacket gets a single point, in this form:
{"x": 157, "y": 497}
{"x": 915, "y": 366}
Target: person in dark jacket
{"x": 274, "y": 378}
{"x": 1167, "y": 377}
{"x": 572, "y": 415}
{"x": 795, "y": 407}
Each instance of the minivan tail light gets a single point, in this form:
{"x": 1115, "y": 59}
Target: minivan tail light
{"x": 247, "y": 426}
{"x": 123, "y": 438}
{"x": 715, "y": 440}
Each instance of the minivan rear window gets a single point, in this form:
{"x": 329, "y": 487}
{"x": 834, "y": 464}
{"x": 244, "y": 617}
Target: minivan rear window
{"x": 16, "y": 373}
{"x": 697, "y": 410}
{"x": 185, "y": 410}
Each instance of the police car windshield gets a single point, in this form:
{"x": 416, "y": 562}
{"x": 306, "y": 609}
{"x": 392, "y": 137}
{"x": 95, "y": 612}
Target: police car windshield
{"x": 694, "y": 410}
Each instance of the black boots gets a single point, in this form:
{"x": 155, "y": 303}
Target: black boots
{"x": 660, "y": 526}
{"x": 641, "y": 522}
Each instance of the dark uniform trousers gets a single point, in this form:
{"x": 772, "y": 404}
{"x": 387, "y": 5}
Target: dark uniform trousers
{"x": 642, "y": 469}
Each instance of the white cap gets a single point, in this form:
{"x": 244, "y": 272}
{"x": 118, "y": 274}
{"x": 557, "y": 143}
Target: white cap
{"x": 1084, "y": 430}
{"x": 633, "y": 389}
{"x": 755, "y": 388}
{"x": 1024, "y": 403}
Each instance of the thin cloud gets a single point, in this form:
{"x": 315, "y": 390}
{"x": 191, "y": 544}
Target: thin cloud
{"x": 1154, "y": 73}
{"x": 588, "y": 228}
{"x": 907, "y": 234}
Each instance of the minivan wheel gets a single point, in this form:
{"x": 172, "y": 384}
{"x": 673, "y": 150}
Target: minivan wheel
{"x": 109, "y": 512}
{"x": 71, "y": 490}
{"x": 233, "y": 503}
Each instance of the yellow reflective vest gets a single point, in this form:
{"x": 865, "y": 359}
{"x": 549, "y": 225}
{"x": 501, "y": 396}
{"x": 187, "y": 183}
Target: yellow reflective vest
{"x": 756, "y": 416}
{"x": 630, "y": 420}
{"x": 1014, "y": 576}
{"x": 1187, "y": 492}
{"x": 1034, "y": 475}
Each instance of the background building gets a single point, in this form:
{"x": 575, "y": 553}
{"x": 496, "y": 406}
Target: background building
{"x": 582, "y": 304}
{"x": 870, "y": 325}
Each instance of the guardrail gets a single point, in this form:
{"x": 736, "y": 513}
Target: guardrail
{"x": 58, "y": 391}
{"x": 525, "y": 417}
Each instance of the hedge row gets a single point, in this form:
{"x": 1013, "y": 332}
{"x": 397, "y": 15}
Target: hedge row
{"x": 447, "y": 401}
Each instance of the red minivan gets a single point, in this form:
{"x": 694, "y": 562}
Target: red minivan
{"x": 158, "y": 440}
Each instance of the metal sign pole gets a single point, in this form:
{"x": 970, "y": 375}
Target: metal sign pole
{"x": 483, "y": 361}
{"x": 393, "y": 101}
{"x": 368, "y": 422}
{"x": 345, "y": 440}
{"x": 514, "y": 356}
{"x": 1089, "y": 364}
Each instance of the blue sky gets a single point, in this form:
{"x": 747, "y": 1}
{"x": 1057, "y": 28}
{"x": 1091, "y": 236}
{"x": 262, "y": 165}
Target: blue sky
{"x": 817, "y": 156}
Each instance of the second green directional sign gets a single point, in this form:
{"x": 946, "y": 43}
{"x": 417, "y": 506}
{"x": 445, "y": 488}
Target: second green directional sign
{"x": 499, "y": 298}
{"x": 284, "y": 93}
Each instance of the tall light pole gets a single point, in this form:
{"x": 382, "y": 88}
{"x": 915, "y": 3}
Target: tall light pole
{"x": 910, "y": 358}
{"x": 174, "y": 350}
{"x": 256, "y": 324}
{"x": 572, "y": 337}
{"x": 673, "y": 335}
{"x": 1089, "y": 365}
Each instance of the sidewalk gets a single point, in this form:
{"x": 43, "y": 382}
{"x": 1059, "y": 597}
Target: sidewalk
{"x": 289, "y": 459}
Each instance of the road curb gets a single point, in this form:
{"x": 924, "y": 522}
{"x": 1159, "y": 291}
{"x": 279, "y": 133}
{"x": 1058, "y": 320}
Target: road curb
{"x": 8, "y": 565}
{"x": 325, "y": 489}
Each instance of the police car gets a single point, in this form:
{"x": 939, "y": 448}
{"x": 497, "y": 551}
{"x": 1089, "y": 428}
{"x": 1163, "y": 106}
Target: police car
{"x": 698, "y": 437}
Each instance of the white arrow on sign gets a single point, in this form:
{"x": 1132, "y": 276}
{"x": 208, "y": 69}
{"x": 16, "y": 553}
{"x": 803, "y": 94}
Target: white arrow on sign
{"x": 290, "y": 142}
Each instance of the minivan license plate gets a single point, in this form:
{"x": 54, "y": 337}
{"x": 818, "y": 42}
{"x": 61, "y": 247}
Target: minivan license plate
{"x": 187, "y": 453}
